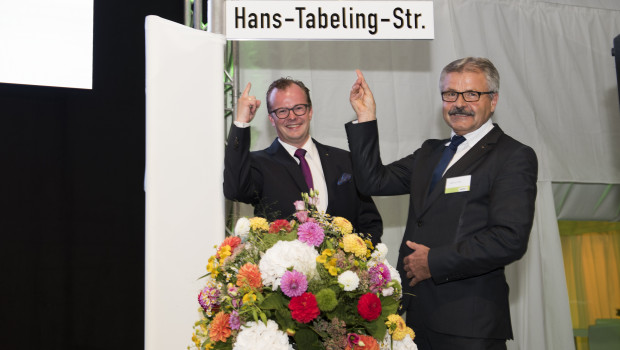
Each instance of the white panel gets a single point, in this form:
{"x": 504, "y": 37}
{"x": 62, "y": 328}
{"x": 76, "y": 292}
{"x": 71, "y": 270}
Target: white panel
{"x": 184, "y": 167}
{"x": 47, "y": 42}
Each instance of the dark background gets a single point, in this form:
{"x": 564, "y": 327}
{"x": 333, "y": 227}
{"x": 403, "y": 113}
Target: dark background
{"x": 72, "y": 215}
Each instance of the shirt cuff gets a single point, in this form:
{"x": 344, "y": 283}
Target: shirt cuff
{"x": 241, "y": 124}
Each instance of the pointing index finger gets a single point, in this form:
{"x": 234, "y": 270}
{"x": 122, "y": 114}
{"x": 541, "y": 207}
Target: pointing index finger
{"x": 246, "y": 92}
{"x": 359, "y": 74}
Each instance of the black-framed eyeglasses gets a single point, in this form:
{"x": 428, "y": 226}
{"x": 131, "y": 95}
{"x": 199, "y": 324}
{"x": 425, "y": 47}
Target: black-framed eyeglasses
{"x": 468, "y": 96}
{"x": 283, "y": 113}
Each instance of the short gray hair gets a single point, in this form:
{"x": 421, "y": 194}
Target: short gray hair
{"x": 473, "y": 64}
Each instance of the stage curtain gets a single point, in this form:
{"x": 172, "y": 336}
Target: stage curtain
{"x": 591, "y": 253}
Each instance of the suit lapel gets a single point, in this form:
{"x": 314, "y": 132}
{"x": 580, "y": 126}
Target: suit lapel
{"x": 427, "y": 161}
{"x": 463, "y": 165}
{"x": 280, "y": 155}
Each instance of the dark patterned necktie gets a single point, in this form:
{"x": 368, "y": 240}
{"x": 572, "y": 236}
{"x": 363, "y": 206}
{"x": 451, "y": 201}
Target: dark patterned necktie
{"x": 305, "y": 169}
{"x": 446, "y": 157}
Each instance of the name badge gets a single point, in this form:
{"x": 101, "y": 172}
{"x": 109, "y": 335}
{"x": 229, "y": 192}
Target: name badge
{"x": 458, "y": 184}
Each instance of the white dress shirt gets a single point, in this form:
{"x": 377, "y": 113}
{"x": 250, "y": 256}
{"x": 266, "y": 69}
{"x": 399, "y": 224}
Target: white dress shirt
{"x": 314, "y": 162}
{"x": 470, "y": 140}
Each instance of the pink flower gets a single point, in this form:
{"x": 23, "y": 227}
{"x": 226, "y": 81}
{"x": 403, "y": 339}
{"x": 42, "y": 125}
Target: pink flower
{"x": 302, "y": 216}
{"x": 311, "y": 233}
{"x": 379, "y": 277}
{"x": 300, "y": 205}
{"x": 293, "y": 283}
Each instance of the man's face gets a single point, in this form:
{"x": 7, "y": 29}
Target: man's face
{"x": 465, "y": 117}
{"x": 294, "y": 130}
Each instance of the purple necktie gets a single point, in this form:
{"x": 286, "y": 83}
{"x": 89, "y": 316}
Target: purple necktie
{"x": 305, "y": 169}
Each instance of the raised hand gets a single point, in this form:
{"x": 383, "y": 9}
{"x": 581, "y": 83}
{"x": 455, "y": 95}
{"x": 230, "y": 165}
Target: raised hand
{"x": 247, "y": 106}
{"x": 361, "y": 99}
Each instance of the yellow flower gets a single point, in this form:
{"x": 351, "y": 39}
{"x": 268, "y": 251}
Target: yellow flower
{"x": 224, "y": 252}
{"x": 212, "y": 267}
{"x": 333, "y": 270}
{"x": 322, "y": 259}
{"x": 354, "y": 244}
{"x": 398, "y": 328}
{"x": 259, "y": 224}
{"x": 196, "y": 340}
{"x": 342, "y": 225}
{"x": 249, "y": 298}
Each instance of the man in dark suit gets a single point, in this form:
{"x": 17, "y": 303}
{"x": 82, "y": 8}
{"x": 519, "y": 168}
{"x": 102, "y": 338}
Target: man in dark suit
{"x": 474, "y": 221}
{"x": 272, "y": 179}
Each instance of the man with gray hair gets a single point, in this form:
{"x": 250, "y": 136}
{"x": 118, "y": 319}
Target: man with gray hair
{"x": 471, "y": 210}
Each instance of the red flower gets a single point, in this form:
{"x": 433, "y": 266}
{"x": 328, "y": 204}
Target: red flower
{"x": 369, "y": 306}
{"x": 279, "y": 225}
{"x": 304, "y": 308}
{"x": 232, "y": 241}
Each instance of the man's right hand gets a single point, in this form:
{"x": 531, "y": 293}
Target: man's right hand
{"x": 361, "y": 99}
{"x": 247, "y": 106}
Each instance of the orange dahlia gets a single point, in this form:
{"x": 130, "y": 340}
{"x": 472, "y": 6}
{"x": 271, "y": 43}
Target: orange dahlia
{"x": 220, "y": 327}
{"x": 369, "y": 344}
{"x": 249, "y": 276}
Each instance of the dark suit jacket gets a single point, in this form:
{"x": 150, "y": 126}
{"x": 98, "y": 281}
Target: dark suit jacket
{"x": 271, "y": 180}
{"x": 471, "y": 235}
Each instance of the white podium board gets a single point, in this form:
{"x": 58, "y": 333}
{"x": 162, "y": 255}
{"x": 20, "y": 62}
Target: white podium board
{"x": 184, "y": 167}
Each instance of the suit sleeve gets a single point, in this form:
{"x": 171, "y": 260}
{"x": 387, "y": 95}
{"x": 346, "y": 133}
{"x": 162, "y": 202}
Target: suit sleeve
{"x": 509, "y": 219}
{"x": 369, "y": 219}
{"x": 241, "y": 177}
{"x": 372, "y": 177}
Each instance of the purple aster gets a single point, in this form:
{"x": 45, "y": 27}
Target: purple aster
{"x": 234, "y": 321}
{"x": 311, "y": 233}
{"x": 208, "y": 298}
{"x": 379, "y": 277}
{"x": 293, "y": 283}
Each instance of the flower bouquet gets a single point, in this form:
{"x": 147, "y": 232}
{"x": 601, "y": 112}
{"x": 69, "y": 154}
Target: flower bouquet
{"x": 307, "y": 283}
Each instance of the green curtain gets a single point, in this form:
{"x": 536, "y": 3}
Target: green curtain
{"x": 591, "y": 251}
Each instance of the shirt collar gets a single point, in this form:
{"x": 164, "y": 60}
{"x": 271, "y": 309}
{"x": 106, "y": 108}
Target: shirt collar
{"x": 309, "y": 146}
{"x": 473, "y": 137}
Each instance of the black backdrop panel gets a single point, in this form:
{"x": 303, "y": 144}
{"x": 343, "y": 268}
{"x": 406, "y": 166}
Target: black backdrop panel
{"x": 72, "y": 223}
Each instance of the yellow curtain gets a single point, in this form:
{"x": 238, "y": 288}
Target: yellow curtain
{"x": 591, "y": 253}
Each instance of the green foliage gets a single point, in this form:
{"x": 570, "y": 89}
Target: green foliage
{"x": 274, "y": 301}
{"x": 307, "y": 339}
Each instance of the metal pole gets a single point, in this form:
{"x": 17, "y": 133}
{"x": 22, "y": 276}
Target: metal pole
{"x": 216, "y": 16}
{"x": 198, "y": 14}
{"x": 188, "y": 13}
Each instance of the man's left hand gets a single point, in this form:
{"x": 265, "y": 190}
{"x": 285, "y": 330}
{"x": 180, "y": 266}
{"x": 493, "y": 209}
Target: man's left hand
{"x": 416, "y": 263}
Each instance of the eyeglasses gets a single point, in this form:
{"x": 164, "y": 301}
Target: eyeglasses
{"x": 283, "y": 113}
{"x": 468, "y": 96}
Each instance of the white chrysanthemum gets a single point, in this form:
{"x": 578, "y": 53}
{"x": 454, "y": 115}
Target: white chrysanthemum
{"x": 242, "y": 228}
{"x": 258, "y": 336}
{"x": 405, "y": 344}
{"x": 393, "y": 272}
{"x": 284, "y": 254}
{"x": 349, "y": 280}
{"x": 380, "y": 253}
